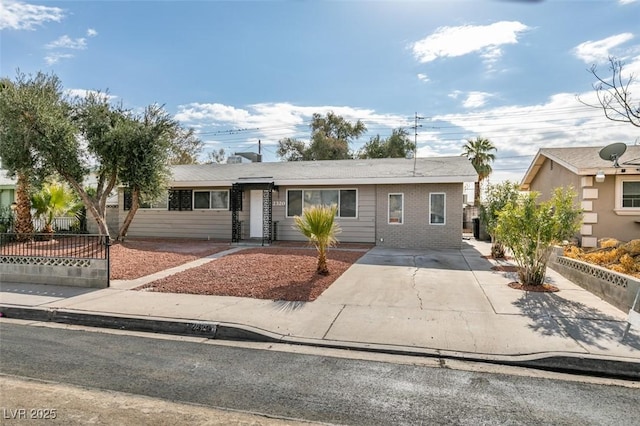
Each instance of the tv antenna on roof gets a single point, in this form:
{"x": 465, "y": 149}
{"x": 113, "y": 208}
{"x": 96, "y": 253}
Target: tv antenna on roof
{"x": 613, "y": 152}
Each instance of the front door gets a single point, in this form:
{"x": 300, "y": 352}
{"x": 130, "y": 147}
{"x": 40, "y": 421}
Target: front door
{"x": 256, "y": 212}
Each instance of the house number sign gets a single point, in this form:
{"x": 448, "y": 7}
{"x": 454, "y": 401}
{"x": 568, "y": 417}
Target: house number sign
{"x": 278, "y": 204}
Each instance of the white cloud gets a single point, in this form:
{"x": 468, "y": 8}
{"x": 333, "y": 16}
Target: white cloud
{"x": 463, "y": 40}
{"x": 519, "y": 131}
{"x": 55, "y": 57}
{"x": 599, "y": 50}
{"x": 66, "y": 42}
{"x": 476, "y": 99}
{"x": 16, "y": 15}
{"x": 84, "y": 92}
{"x": 423, "y": 77}
{"x": 623, "y": 2}
{"x": 472, "y": 99}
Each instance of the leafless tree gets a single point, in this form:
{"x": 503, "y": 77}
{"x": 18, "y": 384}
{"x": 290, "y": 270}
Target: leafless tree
{"x": 614, "y": 94}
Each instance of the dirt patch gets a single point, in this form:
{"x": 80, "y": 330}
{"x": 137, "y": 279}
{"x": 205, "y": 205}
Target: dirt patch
{"x": 274, "y": 273}
{"x": 544, "y": 288}
{"x": 504, "y": 268}
{"x": 136, "y": 258}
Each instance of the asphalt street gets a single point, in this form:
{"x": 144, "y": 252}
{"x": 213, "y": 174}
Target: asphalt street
{"x": 304, "y": 386}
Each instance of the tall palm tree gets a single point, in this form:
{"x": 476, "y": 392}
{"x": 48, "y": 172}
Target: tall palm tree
{"x": 478, "y": 151}
{"x": 23, "y": 222}
{"x": 318, "y": 224}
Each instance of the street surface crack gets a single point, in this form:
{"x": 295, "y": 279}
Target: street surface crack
{"x": 413, "y": 282}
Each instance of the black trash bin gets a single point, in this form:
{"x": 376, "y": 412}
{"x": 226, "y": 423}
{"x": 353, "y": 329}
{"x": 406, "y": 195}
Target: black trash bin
{"x": 476, "y": 228}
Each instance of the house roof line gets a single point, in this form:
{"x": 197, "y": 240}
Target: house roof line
{"x": 329, "y": 182}
{"x": 582, "y": 161}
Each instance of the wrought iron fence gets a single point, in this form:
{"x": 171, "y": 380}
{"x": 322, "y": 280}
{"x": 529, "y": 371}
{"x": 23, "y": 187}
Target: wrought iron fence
{"x": 75, "y": 246}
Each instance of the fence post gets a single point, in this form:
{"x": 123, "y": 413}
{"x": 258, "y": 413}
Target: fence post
{"x": 108, "y": 245}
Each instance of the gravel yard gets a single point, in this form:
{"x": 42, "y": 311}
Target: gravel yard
{"x": 285, "y": 271}
{"x": 136, "y": 258}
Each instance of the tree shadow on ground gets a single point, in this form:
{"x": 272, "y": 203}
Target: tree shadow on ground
{"x": 553, "y": 315}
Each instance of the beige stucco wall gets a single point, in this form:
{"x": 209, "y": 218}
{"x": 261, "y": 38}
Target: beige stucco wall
{"x": 550, "y": 175}
{"x": 608, "y": 223}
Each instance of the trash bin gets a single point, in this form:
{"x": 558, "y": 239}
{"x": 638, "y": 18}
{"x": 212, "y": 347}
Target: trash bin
{"x": 476, "y": 228}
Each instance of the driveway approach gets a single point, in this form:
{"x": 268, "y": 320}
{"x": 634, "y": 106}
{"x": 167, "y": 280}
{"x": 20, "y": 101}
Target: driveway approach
{"x": 446, "y": 303}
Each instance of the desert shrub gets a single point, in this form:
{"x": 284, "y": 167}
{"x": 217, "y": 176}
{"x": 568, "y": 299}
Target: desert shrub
{"x": 530, "y": 229}
{"x": 629, "y": 263}
{"x": 603, "y": 257}
{"x": 613, "y": 254}
{"x": 572, "y": 252}
{"x": 632, "y": 247}
{"x": 609, "y": 242}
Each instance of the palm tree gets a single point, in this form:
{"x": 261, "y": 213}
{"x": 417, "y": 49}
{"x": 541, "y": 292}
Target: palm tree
{"x": 478, "y": 151}
{"x": 54, "y": 200}
{"x": 23, "y": 223}
{"x": 318, "y": 224}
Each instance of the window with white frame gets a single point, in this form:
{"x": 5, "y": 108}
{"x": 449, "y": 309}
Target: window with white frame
{"x": 396, "y": 209}
{"x": 211, "y": 200}
{"x": 345, "y": 199}
{"x": 627, "y": 195}
{"x": 437, "y": 208}
{"x": 631, "y": 194}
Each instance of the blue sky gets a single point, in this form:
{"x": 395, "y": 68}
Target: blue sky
{"x": 240, "y": 72}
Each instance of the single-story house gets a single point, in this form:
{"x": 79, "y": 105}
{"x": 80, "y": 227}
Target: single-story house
{"x": 409, "y": 203}
{"x": 608, "y": 195}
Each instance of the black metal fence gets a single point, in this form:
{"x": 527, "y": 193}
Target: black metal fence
{"x": 75, "y": 246}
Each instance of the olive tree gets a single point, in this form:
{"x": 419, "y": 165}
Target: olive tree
{"x": 530, "y": 229}
{"x": 45, "y": 133}
{"x": 33, "y": 113}
{"x": 497, "y": 196}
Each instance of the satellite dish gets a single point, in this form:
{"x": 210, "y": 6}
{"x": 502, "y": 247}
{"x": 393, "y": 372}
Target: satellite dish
{"x": 613, "y": 152}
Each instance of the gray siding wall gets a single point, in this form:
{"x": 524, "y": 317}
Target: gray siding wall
{"x": 201, "y": 224}
{"x": 113, "y": 221}
{"x": 354, "y": 230}
{"x": 416, "y": 232}
{"x": 370, "y": 225}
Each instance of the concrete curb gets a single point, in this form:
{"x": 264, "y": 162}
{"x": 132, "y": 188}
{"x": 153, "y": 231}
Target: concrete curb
{"x": 558, "y": 362}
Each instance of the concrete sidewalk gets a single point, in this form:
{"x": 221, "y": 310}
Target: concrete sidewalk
{"x": 445, "y": 303}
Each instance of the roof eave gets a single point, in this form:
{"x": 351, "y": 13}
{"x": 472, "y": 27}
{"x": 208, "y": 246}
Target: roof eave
{"x": 333, "y": 182}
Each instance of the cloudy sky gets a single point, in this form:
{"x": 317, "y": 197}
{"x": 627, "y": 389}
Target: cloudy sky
{"x": 240, "y": 72}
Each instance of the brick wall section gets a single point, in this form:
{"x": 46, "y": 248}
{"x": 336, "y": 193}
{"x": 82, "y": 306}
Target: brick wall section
{"x": 416, "y": 232}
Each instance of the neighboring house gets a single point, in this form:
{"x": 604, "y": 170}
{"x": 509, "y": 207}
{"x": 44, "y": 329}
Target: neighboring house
{"x": 611, "y": 202}
{"x": 7, "y": 189}
{"x": 389, "y": 202}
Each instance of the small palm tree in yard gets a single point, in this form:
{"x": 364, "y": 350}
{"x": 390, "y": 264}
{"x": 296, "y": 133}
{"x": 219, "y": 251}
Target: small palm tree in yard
{"x": 54, "y": 200}
{"x": 318, "y": 224}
